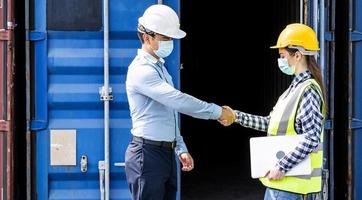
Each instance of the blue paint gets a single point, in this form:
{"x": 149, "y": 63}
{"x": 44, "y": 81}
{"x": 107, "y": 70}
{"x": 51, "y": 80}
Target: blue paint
{"x": 40, "y": 97}
{"x": 68, "y": 75}
{"x": 356, "y": 37}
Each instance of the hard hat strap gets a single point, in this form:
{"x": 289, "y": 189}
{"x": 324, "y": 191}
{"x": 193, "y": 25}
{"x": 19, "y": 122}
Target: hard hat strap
{"x": 143, "y": 29}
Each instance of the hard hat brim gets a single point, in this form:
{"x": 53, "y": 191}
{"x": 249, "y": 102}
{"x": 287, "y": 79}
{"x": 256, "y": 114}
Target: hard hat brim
{"x": 276, "y": 47}
{"x": 177, "y": 35}
{"x": 280, "y": 47}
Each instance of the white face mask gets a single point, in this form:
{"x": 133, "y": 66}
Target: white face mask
{"x": 285, "y": 67}
{"x": 164, "y": 48}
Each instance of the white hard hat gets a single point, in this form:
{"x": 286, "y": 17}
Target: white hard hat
{"x": 163, "y": 20}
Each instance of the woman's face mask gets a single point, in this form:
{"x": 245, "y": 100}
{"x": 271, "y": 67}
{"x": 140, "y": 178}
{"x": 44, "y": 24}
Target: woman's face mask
{"x": 285, "y": 67}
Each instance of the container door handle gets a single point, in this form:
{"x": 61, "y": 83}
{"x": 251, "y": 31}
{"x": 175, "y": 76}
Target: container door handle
{"x": 120, "y": 164}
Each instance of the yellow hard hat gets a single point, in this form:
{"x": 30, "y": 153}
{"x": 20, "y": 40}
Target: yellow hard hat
{"x": 297, "y": 35}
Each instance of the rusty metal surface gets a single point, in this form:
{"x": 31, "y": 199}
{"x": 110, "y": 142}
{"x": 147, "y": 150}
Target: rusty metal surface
{"x": 4, "y": 126}
{"x": 2, "y": 69}
{"x": 10, "y": 100}
{"x": 4, "y": 35}
{"x": 2, "y": 175}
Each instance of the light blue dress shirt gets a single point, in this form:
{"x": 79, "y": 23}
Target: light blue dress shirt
{"x": 154, "y": 102}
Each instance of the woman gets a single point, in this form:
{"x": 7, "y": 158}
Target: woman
{"x": 299, "y": 110}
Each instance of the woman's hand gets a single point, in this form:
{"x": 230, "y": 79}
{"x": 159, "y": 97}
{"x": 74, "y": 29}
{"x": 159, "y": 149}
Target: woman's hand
{"x": 274, "y": 174}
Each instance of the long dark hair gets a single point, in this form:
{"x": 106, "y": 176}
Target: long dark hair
{"x": 314, "y": 68}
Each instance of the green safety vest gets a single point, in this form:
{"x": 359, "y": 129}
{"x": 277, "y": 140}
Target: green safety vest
{"x": 282, "y": 121}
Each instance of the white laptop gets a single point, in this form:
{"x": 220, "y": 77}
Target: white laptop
{"x": 266, "y": 151}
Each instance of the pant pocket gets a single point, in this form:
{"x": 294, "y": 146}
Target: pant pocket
{"x": 134, "y": 158}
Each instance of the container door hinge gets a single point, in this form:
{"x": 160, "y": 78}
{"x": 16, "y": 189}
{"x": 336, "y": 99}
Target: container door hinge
{"x": 36, "y": 36}
{"x": 4, "y": 126}
{"x": 329, "y": 36}
{"x": 37, "y": 125}
{"x": 328, "y": 124}
{"x": 83, "y": 163}
{"x": 355, "y": 123}
{"x": 355, "y": 36}
{"x": 4, "y": 35}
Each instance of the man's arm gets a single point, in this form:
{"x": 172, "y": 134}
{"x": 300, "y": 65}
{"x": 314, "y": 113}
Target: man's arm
{"x": 150, "y": 84}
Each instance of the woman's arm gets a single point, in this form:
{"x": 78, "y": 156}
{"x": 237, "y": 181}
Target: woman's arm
{"x": 256, "y": 122}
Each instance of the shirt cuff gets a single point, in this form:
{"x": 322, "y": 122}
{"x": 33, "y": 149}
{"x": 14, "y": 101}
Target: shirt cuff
{"x": 240, "y": 117}
{"x": 181, "y": 148}
{"x": 282, "y": 168}
{"x": 216, "y": 113}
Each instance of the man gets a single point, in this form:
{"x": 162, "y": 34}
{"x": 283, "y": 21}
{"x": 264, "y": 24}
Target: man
{"x": 154, "y": 105}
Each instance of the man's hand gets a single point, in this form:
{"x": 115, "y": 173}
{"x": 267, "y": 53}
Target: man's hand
{"x": 187, "y": 161}
{"x": 228, "y": 116}
{"x": 274, "y": 174}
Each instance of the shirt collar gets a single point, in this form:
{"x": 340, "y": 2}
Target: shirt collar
{"x": 149, "y": 57}
{"x": 301, "y": 77}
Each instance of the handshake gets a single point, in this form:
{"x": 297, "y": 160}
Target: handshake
{"x": 228, "y": 116}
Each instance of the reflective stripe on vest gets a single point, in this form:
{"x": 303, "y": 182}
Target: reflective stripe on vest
{"x": 282, "y": 121}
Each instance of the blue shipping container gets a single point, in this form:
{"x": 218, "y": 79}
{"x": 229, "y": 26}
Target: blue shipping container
{"x": 356, "y": 125}
{"x": 69, "y": 115}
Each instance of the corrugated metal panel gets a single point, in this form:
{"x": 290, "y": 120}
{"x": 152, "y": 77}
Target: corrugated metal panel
{"x": 68, "y": 111}
{"x": 356, "y": 45}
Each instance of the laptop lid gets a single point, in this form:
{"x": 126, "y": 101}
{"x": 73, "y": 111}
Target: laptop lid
{"x": 266, "y": 151}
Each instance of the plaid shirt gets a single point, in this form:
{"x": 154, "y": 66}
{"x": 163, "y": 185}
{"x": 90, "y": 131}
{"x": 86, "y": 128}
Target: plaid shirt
{"x": 308, "y": 122}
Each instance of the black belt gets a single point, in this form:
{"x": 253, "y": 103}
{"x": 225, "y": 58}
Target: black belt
{"x": 170, "y": 145}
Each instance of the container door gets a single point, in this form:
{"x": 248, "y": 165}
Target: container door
{"x": 316, "y": 19}
{"x": 321, "y": 18}
{"x": 69, "y": 115}
{"x": 3, "y": 108}
{"x": 355, "y": 41}
{"x": 4, "y": 126}
{"x": 327, "y": 27}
